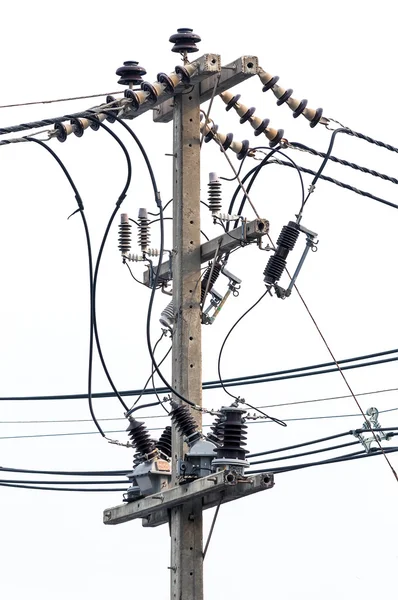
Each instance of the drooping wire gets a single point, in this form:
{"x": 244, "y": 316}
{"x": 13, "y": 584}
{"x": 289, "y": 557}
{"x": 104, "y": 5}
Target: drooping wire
{"x": 60, "y": 100}
{"x": 161, "y": 252}
{"x": 237, "y": 398}
{"x": 91, "y": 276}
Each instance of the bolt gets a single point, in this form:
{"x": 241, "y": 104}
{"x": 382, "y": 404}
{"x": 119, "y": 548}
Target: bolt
{"x": 107, "y": 514}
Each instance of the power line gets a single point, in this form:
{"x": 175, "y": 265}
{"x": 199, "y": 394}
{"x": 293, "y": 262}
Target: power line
{"x": 60, "y": 100}
{"x": 233, "y": 381}
{"x": 56, "y": 489}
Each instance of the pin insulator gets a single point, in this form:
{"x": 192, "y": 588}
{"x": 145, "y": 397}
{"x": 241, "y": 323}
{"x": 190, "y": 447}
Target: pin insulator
{"x": 130, "y": 73}
{"x": 184, "y": 40}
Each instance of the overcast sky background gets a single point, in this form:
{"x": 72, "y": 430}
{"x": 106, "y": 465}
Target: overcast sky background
{"x": 325, "y": 532}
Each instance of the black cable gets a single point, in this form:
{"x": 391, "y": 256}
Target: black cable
{"x": 101, "y": 249}
{"x": 215, "y": 384}
{"x": 261, "y": 165}
{"x": 40, "y": 482}
{"x": 345, "y": 186}
{"x": 133, "y": 276}
{"x": 164, "y": 208}
{"x": 161, "y": 252}
{"x": 344, "y": 458}
{"x": 149, "y": 379}
{"x": 55, "y": 489}
{"x": 75, "y": 473}
{"x": 90, "y": 263}
{"x": 328, "y": 449}
{"x": 341, "y": 161}
{"x": 278, "y": 421}
{"x": 324, "y": 439}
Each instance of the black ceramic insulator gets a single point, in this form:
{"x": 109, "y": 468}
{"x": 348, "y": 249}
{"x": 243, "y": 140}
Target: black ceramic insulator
{"x": 166, "y": 81}
{"x": 61, "y": 134}
{"x": 205, "y": 279}
{"x": 184, "y": 40}
{"x": 300, "y": 108}
{"x": 130, "y": 73}
{"x": 317, "y": 118}
{"x": 125, "y": 237}
{"x": 78, "y": 128}
{"x": 277, "y": 138}
{"x": 277, "y": 262}
{"x": 164, "y": 443}
{"x": 135, "y": 103}
{"x": 228, "y": 141}
{"x": 247, "y": 115}
{"x": 184, "y": 421}
{"x": 95, "y": 123}
{"x": 183, "y": 73}
{"x": 271, "y": 83}
{"x": 288, "y": 236}
{"x": 216, "y": 433}
{"x": 243, "y": 152}
{"x": 214, "y": 198}
{"x": 233, "y": 432}
{"x": 111, "y": 114}
{"x": 137, "y": 459}
{"x": 150, "y": 90}
{"x": 262, "y": 127}
{"x": 232, "y": 102}
{"x": 210, "y": 135}
{"x": 285, "y": 97}
{"x": 139, "y": 435}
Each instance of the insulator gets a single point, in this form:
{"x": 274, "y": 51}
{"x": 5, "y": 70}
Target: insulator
{"x": 167, "y": 316}
{"x": 205, "y": 280}
{"x": 277, "y": 262}
{"x": 143, "y": 229}
{"x": 164, "y": 443}
{"x": 139, "y": 435}
{"x": 249, "y": 113}
{"x": 214, "y": 198}
{"x": 111, "y": 113}
{"x": 216, "y": 432}
{"x": 231, "y": 103}
{"x": 211, "y": 134}
{"x": 130, "y": 73}
{"x": 124, "y": 233}
{"x": 184, "y": 422}
{"x": 167, "y": 81}
{"x": 244, "y": 150}
{"x": 62, "y": 131}
{"x": 95, "y": 121}
{"x": 184, "y": 40}
{"x": 285, "y": 96}
{"x": 137, "y": 459}
{"x": 79, "y": 126}
{"x": 233, "y": 433}
{"x": 153, "y": 90}
{"x": 152, "y": 252}
{"x": 262, "y": 127}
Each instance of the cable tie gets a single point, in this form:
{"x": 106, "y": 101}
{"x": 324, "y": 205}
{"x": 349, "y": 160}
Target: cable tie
{"x": 120, "y": 200}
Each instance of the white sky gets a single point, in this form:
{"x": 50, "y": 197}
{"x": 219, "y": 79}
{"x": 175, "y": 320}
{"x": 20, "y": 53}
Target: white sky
{"x": 325, "y": 532}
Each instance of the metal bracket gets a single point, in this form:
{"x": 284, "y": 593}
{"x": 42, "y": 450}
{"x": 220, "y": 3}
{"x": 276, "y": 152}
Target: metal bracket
{"x": 239, "y": 70}
{"x": 154, "y": 510}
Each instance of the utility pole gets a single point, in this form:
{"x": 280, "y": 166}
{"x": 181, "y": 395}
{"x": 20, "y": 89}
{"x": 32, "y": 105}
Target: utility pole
{"x": 182, "y": 505}
{"x": 186, "y": 520}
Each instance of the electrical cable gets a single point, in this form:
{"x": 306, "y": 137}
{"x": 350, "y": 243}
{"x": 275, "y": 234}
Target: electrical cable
{"x": 237, "y": 398}
{"x": 320, "y": 440}
{"x": 328, "y": 449}
{"x": 340, "y": 161}
{"x": 75, "y": 473}
{"x": 55, "y": 489}
{"x": 133, "y": 276}
{"x": 152, "y": 370}
{"x": 230, "y": 382}
{"x": 90, "y": 262}
{"x": 40, "y": 482}
{"x": 161, "y": 252}
{"x": 345, "y": 186}
{"x": 344, "y": 458}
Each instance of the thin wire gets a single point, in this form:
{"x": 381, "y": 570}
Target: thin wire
{"x": 212, "y": 525}
{"x": 217, "y": 80}
{"x": 60, "y": 100}
{"x": 151, "y": 376}
{"x": 133, "y": 276}
{"x": 51, "y": 482}
{"x": 310, "y": 452}
{"x": 342, "y": 374}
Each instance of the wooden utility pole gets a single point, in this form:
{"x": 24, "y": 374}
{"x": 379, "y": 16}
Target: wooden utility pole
{"x": 182, "y": 505}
